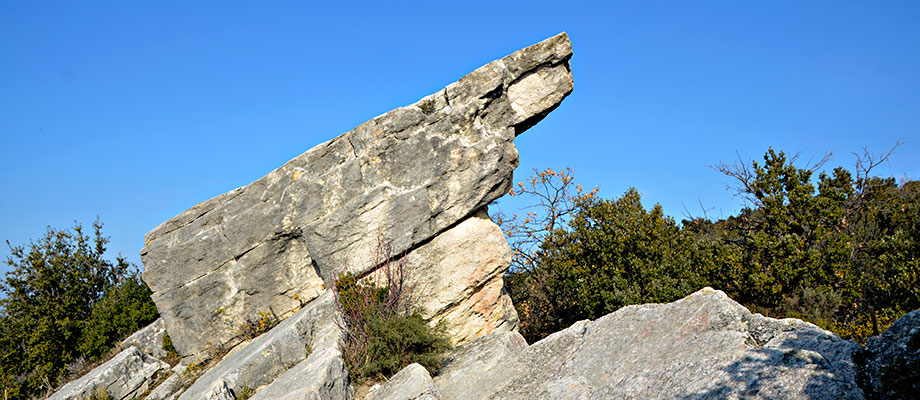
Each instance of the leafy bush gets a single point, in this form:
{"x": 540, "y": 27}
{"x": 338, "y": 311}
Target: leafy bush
{"x": 382, "y": 333}
{"x": 64, "y": 304}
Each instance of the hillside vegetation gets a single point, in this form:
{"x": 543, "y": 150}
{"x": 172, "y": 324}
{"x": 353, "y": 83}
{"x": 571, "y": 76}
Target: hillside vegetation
{"x": 841, "y": 251}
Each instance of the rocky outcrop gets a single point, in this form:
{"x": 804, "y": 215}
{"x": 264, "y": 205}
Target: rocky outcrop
{"x": 126, "y": 375}
{"x": 412, "y": 383}
{"x": 703, "y": 346}
{"x": 890, "y": 364}
{"x": 406, "y": 176}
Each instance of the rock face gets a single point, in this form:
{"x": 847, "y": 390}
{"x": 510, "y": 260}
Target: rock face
{"x": 457, "y": 276}
{"x": 128, "y": 374}
{"x": 407, "y": 176}
{"x": 891, "y": 361}
{"x": 703, "y": 346}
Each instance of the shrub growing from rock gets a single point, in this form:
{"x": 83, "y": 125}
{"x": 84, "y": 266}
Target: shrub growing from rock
{"x": 382, "y": 333}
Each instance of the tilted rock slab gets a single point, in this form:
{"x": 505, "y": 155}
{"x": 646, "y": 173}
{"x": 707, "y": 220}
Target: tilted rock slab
{"x": 700, "y": 347}
{"x": 406, "y": 176}
{"x": 128, "y": 374}
{"x": 258, "y": 363}
{"x": 322, "y": 376}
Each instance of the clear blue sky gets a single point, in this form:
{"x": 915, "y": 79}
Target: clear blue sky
{"x": 136, "y": 111}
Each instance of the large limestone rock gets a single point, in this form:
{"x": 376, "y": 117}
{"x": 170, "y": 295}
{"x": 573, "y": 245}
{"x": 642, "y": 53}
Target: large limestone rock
{"x": 126, "y": 375}
{"x": 890, "y": 364}
{"x": 406, "y": 176}
{"x": 703, "y": 346}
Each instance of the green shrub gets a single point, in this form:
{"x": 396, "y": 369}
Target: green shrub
{"x": 382, "y": 334}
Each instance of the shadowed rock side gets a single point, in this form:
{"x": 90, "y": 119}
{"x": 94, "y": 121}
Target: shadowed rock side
{"x": 704, "y": 346}
{"x": 457, "y": 277}
{"x": 890, "y": 364}
{"x": 406, "y": 175}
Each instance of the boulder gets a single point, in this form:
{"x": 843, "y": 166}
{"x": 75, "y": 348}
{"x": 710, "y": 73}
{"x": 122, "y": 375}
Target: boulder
{"x": 128, "y": 374}
{"x": 702, "y": 346}
{"x": 405, "y": 176}
{"x": 149, "y": 339}
{"x": 890, "y": 364}
{"x": 412, "y": 383}
{"x": 457, "y": 276}
{"x": 259, "y": 362}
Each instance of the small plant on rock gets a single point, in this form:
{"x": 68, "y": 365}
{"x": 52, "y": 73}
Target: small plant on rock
{"x": 383, "y": 334}
{"x": 255, "y": 326}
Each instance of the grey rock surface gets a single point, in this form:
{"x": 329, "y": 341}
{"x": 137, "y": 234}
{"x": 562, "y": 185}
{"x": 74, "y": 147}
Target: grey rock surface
{"x": 127, "y": 374}
{"x": 149, "y": 339}
{"x": 890, "y": 364}
{"x": 322, "y": 376}
{"x": 171, "y": 387}
{"x": 411, "y": 383}
{"x": 700, "y": 347}
{"x": 268, "y": 356}
{"x": 406, "y": 176}
{"x": 474, "y": 370}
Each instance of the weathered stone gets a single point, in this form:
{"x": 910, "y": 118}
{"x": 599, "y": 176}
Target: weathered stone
{"x": 220, "y": 391}
{"x": 259, "y": 362}
{"x": 322, "y": 376}
{"x": 127, "y": 374}
{"x": 703, "y": 346}
{"x": 457, "y": 276}
{"x": 412, "y": 383}
{"x": 473, "y": 370}
{"x": 171, "y": 387}
{"x": 405, "y": 176}
{"x": 890, "y": 364}
{"x": 149, "y": 339}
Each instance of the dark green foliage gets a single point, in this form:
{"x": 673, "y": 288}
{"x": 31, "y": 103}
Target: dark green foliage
{"x": 842, "y": 252}
{"x": 64, "y": 303}
{"x": 124, "y": 309}
{"x": 382, "y": 333}
{"x": 400, "y": 340}
{"x": 614, "y": 253}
